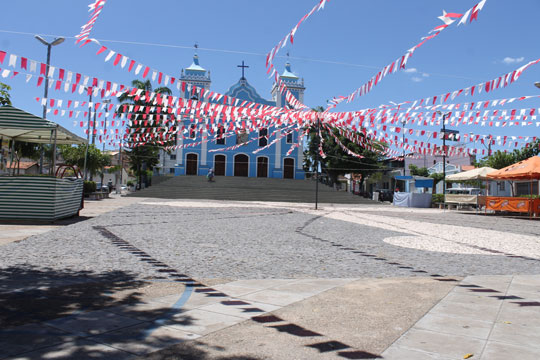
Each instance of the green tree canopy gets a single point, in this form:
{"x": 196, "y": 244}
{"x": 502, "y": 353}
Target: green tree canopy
{"x": 338, "y": 162}
{"x": 145, "y": 157}
{"x": 5, "y": 98}
{"x": 499, "y": 160}
{"x": 74, "y": 155}
{"x": 416, "y": 171}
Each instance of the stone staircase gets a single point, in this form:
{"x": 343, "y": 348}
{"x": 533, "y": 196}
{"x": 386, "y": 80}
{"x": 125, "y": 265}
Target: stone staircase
{"x": 246, "y": 189}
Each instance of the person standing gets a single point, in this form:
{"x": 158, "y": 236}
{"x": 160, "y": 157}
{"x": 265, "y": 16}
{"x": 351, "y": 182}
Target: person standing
{"x": 210, "y": 175}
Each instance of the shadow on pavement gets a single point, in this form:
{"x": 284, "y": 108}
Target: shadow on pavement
{"x": 29, "y": 294}
{"x": 194, "y": 350}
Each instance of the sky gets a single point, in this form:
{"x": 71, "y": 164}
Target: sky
{"x": 336, "y": 50}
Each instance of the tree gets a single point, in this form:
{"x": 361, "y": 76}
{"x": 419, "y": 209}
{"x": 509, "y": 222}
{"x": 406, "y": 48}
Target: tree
{"x": 74, "y": 156}
{"x": 338, "y": 162}
{"x": 527, "y": 152}
{"x": 499, "y": 160}
{"x": 5, "y": 98}
{"x": 144, "y": 157}
{"x": 416, "y": 171}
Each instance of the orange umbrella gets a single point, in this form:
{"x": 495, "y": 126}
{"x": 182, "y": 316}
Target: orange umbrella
{"x": 524, "y": 170}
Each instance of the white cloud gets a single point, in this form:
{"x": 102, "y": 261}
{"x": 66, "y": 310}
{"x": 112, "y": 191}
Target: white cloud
{"x": 425, "y": 74}
{"x": 410, "y": 70}
{"x": 508, "y": 60}
{"x": 416, "y": 79}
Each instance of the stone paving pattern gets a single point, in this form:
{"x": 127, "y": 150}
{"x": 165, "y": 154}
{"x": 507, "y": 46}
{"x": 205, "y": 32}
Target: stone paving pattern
{"x": 81, "y": 291}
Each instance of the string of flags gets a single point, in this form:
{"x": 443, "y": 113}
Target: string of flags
{"x": 400, "y": 63}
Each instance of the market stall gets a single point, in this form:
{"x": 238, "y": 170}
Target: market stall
{"x": 476, "y": 199}
{"x": 38, "y": 197}
{"x": 415, "y": 194}
{"x": 524, "y": 170}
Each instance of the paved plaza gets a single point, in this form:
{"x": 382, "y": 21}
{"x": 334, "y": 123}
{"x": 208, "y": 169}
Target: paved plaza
{"x": 206, "y": 279}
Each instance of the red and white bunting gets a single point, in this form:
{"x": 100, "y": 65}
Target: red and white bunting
{"x": 400, "y": 63}
{"x": 95, "y": 9}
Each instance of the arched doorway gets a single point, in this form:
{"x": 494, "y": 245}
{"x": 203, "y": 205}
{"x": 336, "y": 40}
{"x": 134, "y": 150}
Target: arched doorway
{"x": 192, "y": 161}
{"x": 288, "y": 168}
{"x": 219, "y": 165}
{"x": 241, "y": 165}
{"x": 262, "y": 167}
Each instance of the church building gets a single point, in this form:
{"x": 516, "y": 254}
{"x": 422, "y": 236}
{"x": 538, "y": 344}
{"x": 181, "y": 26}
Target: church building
{"x": 212, "y": 152}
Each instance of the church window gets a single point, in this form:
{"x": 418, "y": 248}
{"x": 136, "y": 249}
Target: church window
{"x": 220, "y": 136}
{"x": 192, "y": 131}
{"x": 289, "y": 138}
{"x": 263, "y": 137}
{"x": 241, "y": 137}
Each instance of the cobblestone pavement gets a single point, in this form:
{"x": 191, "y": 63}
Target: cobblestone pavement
{"x": 265, "y": 241}
{"x": 87, "y": 284}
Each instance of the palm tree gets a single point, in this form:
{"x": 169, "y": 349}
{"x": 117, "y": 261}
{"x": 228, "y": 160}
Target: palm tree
{"x": 142, "y": 157}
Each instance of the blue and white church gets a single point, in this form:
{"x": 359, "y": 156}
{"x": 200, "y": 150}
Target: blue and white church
{"x": 272, "y": 162}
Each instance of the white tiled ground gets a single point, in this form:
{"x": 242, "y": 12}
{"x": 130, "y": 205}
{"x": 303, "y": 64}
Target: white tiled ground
{"x": 490, "y": 317}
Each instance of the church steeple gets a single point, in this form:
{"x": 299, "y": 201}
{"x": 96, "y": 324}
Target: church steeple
{"x": 294, "y": 83}
{"x": 287, "y": 73}
{"x": 196, "y": 75}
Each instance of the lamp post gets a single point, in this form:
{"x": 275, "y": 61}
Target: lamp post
{"x": 317, "y": 163}
{"x": 106, "y": 101}
{"x": 444, "y": 149}
{"x": 537, "y": 84}
{"x": 403, "y": 144}
{"x": 88, "y": 132}
{"x": 56, "y": 41}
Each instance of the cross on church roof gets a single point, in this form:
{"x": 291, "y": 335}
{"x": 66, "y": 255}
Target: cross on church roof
{"x": 243, "y": 66}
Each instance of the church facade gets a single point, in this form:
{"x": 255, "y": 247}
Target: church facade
{"x": 209, "y": 151}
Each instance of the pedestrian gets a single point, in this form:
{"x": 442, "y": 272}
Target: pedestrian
{"x": 210, "y": 175}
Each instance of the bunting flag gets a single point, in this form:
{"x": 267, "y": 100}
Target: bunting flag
{"x": 400, "y": 63}
{"x": 95, "y": 9}
{"x": 346, "y": 149}
{"x": 290, "y": 35}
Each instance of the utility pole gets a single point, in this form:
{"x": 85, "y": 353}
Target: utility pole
{"x": 88, "y": 133}
{"x": 120, "y": 161}
{"x": 317, "y": 162}
{"x": 106, "y": 102}
{"x": 56, "y": 41}
{"x": 444, "y": 154}
{"x": 403, "y": 144}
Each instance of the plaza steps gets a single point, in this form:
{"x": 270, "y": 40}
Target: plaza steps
{"x": 246, "y": 189}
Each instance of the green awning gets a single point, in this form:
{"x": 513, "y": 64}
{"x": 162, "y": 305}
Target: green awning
{"x": 22, "y": 126}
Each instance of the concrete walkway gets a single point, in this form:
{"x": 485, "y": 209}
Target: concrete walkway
{"x": 485, "y": 317}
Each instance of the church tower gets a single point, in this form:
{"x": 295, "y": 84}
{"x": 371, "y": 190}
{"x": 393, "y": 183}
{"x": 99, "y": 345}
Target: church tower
{"x": 294, "y": 84}
{"x": 196, "y": 75}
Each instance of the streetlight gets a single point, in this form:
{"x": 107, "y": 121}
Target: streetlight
{"x": 56, "y": 41}
{"x": 88, "y": 130}
{"x": 106, "y": 101}
{"x": 537, "y": 84}
{"x": 444, "y": 149}
{"x": 403, "y": 143}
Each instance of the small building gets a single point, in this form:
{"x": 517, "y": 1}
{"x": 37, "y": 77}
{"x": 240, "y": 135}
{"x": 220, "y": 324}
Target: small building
{"x": 23, "y": 168}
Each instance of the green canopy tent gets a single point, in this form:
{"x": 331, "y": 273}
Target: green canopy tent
{"x": 43, "y": 198}
{"x": 19, "y": 125}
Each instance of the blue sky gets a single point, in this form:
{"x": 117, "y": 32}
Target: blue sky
{"x": 336, "y": 50}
